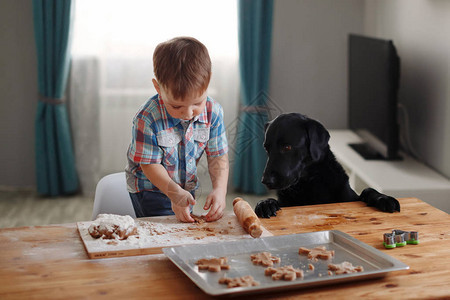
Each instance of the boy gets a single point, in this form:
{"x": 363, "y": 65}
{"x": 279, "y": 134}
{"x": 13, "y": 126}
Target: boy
{"x": 170, "y": 133}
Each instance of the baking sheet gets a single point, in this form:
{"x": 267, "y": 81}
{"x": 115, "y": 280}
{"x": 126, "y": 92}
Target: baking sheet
{"x": 375, "y": 263}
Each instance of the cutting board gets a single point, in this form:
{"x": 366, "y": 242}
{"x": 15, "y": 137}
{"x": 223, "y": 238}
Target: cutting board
{"x": 156, "y": 233}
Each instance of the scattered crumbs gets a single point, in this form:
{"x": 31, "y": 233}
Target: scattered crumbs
{"x": 166, "y": 231}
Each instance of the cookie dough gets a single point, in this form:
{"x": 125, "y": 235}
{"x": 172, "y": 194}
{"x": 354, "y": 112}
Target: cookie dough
{"x": 213, "y": 264}
{"x": 287, "y": 273}
{"x": 198, "y": 219}
{"x": 110, "y": 226}
{"x": 239, "y": 281}
{"x": 316, "y": 253}
{"x": 344, "y": 268}
{"x": 264, "y": 258}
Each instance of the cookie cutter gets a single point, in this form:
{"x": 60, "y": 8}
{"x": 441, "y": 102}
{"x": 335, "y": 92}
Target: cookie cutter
{"x": 400, "y": 238}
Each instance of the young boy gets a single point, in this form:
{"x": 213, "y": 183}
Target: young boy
{"x": 170, "y": 133}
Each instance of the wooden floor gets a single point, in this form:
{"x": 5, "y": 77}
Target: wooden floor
{"x": 25, "y": 208}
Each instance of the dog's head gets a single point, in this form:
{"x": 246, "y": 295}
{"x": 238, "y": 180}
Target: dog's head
{"x": 292, "y": 142}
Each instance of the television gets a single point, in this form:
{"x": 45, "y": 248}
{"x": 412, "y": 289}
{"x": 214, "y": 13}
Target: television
{"x": 373, "y": 82}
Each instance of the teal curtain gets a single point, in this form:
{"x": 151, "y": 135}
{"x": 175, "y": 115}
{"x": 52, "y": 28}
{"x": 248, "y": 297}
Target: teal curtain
{"x": 255, "y": 36}
{"x": 55, "y": 163}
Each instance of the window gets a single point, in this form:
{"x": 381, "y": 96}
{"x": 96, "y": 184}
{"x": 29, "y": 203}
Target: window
{"x": 112, "y": 69}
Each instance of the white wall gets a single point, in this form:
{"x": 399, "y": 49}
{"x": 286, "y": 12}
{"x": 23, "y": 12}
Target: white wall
{"x": 309, "y": 57}
{"x": 421, "y": 32}
{"x": 309, "y": 60}
{"x": 18, "y": 94}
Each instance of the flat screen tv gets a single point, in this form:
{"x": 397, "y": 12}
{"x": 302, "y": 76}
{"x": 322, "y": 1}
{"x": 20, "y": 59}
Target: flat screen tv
{"x": 374, "y": 75}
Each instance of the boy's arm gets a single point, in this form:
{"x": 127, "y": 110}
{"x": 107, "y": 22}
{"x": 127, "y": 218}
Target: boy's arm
{"x": 218, "y": 167}
{"x": 179, "y": 197}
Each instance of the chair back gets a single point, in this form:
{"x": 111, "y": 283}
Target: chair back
{"x": 112, "y": 197}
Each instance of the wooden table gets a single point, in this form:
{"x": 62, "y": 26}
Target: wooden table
{"x": 45, "y": 262}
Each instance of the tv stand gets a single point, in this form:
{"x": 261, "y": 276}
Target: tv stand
{"x": 368, "y": 152}
{"x": 398, "y": 178}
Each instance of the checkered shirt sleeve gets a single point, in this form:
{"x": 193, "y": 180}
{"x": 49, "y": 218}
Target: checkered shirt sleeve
{"x": 217, "y": 144}
{"x": 144, "y": 147}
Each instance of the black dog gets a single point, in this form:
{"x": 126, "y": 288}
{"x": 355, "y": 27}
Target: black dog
{"x": 304, "y": 171}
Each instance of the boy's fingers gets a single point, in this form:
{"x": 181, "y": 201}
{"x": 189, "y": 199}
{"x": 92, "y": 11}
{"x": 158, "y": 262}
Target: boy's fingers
{"x": 188, "y": 217}
{"x": 214, "y": 214}
{"x": 183, "y": 214}
{"x": 208, "y": 203}
{"x": 191, "y": 199}
{"x": 183, "y": 217}
{"x": 186, "y": 213}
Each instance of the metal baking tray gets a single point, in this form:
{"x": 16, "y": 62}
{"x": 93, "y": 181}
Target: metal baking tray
{"x": 375, "y": 263}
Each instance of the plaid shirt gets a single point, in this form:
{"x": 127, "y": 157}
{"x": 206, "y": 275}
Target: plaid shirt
{"x": 158, "y": 138}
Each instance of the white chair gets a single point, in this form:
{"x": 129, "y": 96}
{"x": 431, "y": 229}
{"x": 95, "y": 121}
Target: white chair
{"x": 112, "y": 197}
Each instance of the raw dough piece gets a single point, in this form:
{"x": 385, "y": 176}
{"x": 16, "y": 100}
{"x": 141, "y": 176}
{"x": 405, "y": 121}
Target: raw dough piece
{"x": 109, "y": 226}
{"x": 239, "y": 281}
{"x": 345, "y": 268}
{"x": 287, "y": 273}
{"x": 213, "y": 264}
{"x": 198, "y": 219}
{"x": 316, "y": 253}
{"x": 264, "y": 258}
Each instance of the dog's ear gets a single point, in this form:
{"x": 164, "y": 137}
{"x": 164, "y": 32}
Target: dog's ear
{"x": 318, "y": 139}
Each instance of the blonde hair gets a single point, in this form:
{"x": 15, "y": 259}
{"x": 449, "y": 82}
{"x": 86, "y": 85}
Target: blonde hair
{"x": 182, "y": 66}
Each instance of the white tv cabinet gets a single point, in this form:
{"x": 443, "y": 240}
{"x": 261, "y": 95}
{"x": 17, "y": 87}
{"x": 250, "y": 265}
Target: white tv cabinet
{"x": 402, "y": 178}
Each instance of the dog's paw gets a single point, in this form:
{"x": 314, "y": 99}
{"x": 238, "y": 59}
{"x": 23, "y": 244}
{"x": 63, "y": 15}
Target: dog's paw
{"x": 381, "y": 201}
{"x": 267, "y": 208}
{"x": 387, "y": 204}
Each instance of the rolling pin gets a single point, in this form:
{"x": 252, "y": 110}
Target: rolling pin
{"x": 246, "y": 217}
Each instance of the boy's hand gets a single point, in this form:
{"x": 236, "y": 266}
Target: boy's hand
{"x": 215, "y": 202}
{"x": 181, "y": 199}
{"x": 179, "y": 196}
{"x": 183, "y": 213}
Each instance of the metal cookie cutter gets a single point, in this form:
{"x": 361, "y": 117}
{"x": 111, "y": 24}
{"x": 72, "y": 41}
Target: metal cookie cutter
{"x": 413, "y": 238}
{"x": 389, "y": 241}
{"x": 399, "y": 238}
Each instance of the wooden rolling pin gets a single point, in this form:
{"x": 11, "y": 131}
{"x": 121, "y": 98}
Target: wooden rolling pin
{"x": 246, "y": 217}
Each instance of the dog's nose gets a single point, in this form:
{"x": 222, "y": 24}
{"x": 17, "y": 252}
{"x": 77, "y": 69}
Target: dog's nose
{"x": 268, "y": 180}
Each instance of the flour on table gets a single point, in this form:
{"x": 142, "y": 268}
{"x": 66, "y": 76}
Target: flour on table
{"x": 109, "y": 226}
{"x": 157, "y": 232}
